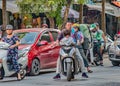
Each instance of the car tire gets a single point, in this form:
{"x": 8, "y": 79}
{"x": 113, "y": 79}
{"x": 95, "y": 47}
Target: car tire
{"x": 114, "y": 63}
{"x": 35, "y": 68}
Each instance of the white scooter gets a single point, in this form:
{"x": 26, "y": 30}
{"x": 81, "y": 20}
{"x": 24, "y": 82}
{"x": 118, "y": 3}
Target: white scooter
{"x": 70, "y": 65}
{"x": 6, "y": 67}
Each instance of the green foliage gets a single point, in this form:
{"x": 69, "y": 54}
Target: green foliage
{"x": 52, "y": 8}
{"x": 82, "y": 1}
{"x": 27, "y": 19}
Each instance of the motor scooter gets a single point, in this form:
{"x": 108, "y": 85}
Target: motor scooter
{"x": 6, "y": 66}
{"x": 69, "y": 64}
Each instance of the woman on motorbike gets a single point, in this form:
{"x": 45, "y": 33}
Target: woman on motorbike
{"x": 79, "y": 39}
{"x": 13, "y": 49}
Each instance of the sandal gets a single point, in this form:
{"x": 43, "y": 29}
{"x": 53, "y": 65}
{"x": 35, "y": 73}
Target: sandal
{"x": 90, "y": 71}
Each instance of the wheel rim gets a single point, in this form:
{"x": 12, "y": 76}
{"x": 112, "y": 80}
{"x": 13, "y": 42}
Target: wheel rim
{"x": 35, "y": 66}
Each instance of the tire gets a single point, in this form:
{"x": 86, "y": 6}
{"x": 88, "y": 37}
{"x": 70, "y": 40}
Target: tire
{"x": 22, "y": 73}
{"x": 69, "y": 71}
{"x": 115, "y": 63}
{"x": 35, "y": 68}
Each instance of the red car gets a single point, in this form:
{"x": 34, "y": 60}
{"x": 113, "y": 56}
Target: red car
{"x": 39, "y": 47}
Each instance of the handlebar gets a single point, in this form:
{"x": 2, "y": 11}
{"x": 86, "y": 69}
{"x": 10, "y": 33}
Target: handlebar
{"x": 73, "y": 45}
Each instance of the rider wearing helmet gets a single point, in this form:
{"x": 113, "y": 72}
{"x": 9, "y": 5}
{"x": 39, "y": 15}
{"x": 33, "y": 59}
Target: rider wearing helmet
{"x": 99, "y": 38}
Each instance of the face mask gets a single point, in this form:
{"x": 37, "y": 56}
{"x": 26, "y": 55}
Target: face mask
{"x": 93, "y": 31}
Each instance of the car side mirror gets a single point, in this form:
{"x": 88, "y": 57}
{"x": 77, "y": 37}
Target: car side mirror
{"x": 43, "y": 42}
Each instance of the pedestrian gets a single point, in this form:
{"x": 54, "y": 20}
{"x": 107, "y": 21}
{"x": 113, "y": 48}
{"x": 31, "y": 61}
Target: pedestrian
{"x": 44, "y": 26}
{"x": 13, "y": 40}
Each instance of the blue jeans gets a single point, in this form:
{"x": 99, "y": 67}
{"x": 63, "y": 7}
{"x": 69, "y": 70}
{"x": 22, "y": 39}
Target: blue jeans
{"x": 96, "y": 50}
{"x": 83, "y": 56}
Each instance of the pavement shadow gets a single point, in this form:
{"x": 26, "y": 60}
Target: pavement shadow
{"x": 6, "y": 81}
{"x": 73, "y": 80}
{"x": 9, "y": 81}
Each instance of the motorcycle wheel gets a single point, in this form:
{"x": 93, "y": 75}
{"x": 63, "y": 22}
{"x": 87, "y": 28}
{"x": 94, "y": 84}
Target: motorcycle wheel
{"x": 69, "y": 71}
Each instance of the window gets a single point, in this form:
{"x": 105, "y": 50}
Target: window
{"x": 55, "y": 35}
{"x": 45, "y": 36}
{"x": 27, "y": 37}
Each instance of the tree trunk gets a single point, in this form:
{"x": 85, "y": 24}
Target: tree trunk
{"x": 4, "y": 16}
{"x": 52, "y": 23}
{"x": 66, "y": 13}
{"x": 81, "y": 14}
{"x": 103, "y": 17}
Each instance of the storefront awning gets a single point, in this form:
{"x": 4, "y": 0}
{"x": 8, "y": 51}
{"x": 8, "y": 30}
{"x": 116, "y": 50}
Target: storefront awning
{"x": 72, "y": 13}
{"x": 10, "y": 6}
{"x": 108, "y": 9}
{"x": 116, "y": 3}
{"x": 98, "y": 7}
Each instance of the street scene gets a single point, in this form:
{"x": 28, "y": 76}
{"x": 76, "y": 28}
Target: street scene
{"x": 60, "y": 42}
{"x": 102, "y": 76}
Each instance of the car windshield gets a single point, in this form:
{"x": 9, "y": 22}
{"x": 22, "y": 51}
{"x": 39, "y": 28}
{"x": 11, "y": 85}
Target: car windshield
{"x": 27, "y": 37}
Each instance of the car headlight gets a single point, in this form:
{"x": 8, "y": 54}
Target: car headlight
{"x": 23, "y": 52}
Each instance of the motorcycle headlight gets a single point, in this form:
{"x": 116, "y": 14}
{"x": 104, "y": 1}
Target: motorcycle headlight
{"x": 23, "y": 52}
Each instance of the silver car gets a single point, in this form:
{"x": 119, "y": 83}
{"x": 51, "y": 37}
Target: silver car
{"x": 114, "y": 51}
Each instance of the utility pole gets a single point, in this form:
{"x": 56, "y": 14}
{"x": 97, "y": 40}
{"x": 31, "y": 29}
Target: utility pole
{"x": 81, "y": 14}
{"x": 103, "y": 21}
{"x": 4, "y": 16}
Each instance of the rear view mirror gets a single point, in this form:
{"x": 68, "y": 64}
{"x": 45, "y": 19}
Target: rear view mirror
{"x": 43, "y": 42}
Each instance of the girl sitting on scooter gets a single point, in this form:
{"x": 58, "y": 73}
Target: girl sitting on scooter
{"x": 67, "y": 41}
{"x": 13, "y": 49}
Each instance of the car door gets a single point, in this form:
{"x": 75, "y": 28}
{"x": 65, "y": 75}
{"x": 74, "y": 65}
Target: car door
{"x": 55, "y": 48}
{"x": 45, "y": 50}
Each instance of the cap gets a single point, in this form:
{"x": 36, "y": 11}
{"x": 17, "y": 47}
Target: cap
{"x": 44, "y": 25}
{"x": 96, "y": 24}
{"x": 92, "y": 26}
{"x": 9, "y": 27}
{"x": 76, "y": 25}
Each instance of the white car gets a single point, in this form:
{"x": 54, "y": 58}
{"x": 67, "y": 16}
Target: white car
{"x": 114, "y": 52}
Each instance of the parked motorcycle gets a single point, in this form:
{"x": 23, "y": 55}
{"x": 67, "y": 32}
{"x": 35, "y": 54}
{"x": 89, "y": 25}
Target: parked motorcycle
{"x": 6, "y": 66}
{"x": 69, "y": 64}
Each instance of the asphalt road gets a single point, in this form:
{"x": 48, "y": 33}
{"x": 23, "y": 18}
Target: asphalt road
{"x": 101, "y": 76}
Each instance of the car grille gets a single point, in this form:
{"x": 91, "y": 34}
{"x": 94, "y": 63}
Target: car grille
{"x": 117, "y": 57}
{"x": 118, "y": 46}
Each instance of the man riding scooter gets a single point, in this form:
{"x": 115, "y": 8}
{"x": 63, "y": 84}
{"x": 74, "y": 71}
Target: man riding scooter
{"x": 99, "y": 41}
{"x": 78, "y": 56}
{"x": 13, "y": 49}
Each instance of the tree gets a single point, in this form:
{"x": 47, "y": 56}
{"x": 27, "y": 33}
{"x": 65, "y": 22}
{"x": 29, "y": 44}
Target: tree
{"x": 81, "y": 2}
{"x": 4, "y": 16}
{"x": 66, "y": 12}
{"x": 52, "y": 8}
{"x": 103, "y": 16}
